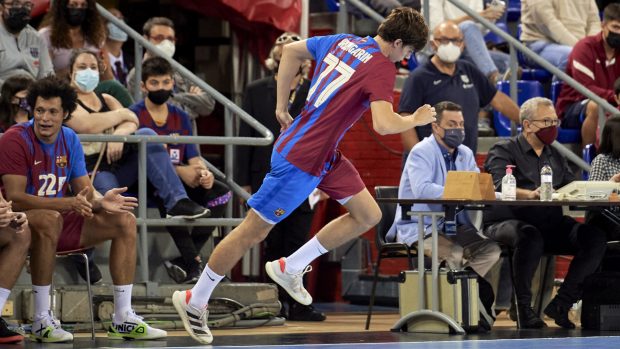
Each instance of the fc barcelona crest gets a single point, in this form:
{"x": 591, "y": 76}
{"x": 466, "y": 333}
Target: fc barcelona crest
{"x": 279, "y": 212}
{"x": 61, "y": 161}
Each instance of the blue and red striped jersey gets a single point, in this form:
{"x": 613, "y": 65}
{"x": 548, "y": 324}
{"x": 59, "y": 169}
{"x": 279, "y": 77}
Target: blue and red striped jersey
{"x": 350, "y": 73}
{"x": 47, "y": 167}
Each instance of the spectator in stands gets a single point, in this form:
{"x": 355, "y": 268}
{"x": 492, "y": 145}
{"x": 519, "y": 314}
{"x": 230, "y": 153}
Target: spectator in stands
{"x": 62, "y": 223}
{"x": 114, "y": 47}
{"x": 166, "y": 119}
{"x": 253, "y": 163}
{"x": 114, "y": 164}
{"x": 14, "y": 108}
{"x": 594, "y": 63}
{"x": 73, "y": 24}
{"x": 159, "y": 31}
{"x": 23, "y": 50}
{"x": 14, "y": 246}
{"x": 424, "y": 178}
{"x": 606, "y": 167}
{"x": 384, "y": 7}
{"x": 530, "y": 231}
{"x": 492, "y": 63}
{"x": 552, "y": 28}
{"x": 445, "y": 78}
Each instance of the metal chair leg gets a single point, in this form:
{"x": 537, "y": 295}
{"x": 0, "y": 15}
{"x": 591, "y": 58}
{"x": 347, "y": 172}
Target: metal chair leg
{"x": 90, "y": 296}
{"x": 372, "y": 293}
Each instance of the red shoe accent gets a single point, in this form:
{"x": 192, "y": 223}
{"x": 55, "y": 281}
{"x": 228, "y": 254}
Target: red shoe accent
{"x": 188, "y": 296}
{"x": 282, "y": 263}
{"x": 12, "y": 339}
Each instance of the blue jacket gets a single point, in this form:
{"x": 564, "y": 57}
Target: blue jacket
{"x": 424, "y": 177}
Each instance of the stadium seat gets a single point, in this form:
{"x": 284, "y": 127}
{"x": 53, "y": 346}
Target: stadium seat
{"x": 494, "y": 38}
{"x": 526, "y": 90}
{"x": 333, "y": 5}
{"x": 588, "y": 153}
{"x": 513, "y": 10}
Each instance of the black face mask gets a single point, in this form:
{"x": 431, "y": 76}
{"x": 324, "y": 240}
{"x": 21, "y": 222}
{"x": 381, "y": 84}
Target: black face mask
{"x": 17, "y": 19}
{"x": 159, "y": 97}
{"x": 76, "y": 16}
{"x": 613, "y": 40}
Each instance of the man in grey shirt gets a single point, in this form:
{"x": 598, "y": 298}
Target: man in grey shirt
{"x": 22, "y": 50}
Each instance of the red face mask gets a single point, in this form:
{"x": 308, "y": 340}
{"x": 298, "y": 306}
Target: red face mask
{"x": 548, "y": 134}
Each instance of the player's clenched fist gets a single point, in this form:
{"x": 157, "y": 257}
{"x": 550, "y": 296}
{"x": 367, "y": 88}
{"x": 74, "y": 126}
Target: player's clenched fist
{"x": 424, "y": 115}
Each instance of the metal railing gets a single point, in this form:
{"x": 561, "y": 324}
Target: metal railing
{"x": 228, "y": 140}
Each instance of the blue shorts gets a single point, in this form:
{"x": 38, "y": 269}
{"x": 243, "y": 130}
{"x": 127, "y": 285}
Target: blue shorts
{"x": 286, "y": 187}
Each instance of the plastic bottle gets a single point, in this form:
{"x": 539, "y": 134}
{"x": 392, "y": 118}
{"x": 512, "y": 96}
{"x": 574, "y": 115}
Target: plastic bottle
{"x": 546, "y": 183}
{"x": 509, "y": 185}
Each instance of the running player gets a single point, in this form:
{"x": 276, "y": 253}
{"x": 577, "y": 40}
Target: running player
{"x": 39, "y": 160}
{"x": 351, "y": 74}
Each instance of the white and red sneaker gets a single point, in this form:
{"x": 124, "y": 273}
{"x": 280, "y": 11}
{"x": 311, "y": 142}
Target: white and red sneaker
{"x": 291, "y": 283}
{"x": 194, "y": 320}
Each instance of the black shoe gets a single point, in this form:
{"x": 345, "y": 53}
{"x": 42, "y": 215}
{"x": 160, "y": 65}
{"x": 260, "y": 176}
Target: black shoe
{"x": 7, "y": 336}
{"x": 300, "y": 312}
{"x": 193, "y": 272}
{"x": 175, "y": 272}
{"x": 93, "y": 269}
{"x": 529, "y": 319}
{"x": 186, "y": 208}
{"x": 559, "y": 312}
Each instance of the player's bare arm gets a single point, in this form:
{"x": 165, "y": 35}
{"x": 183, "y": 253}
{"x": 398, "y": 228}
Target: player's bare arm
{"x": 293, "y": 55}
{"x": 386, "y": 121}
{"x": 15, "y": 187}
{"x": 111, "y": 201}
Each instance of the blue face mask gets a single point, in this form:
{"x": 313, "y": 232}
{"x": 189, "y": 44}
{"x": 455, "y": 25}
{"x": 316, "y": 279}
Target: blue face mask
{"x": 87, "y": 79}
{"x": 115, "y": 33}
{"x": 453, "y": 137}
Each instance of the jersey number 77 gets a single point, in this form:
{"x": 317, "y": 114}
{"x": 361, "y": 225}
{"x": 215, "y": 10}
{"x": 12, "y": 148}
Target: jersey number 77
{"x": 333, "y": 63}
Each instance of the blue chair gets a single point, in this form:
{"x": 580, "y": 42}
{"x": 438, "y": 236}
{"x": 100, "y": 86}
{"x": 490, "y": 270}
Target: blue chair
{"x": 333, "y": 5}
{"x": 526, "y": 90}
{"x": 513, "y": 10}
{"x": 565, "y": 135}
{"x": 588, "y": 154}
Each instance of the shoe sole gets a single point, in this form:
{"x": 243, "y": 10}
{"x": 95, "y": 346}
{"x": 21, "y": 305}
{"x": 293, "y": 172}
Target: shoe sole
{"x": 119, "y": 336}
{"x": 48, "y": 340}
{"x": 12, "y": 339}
{"x": 204, "y": 214}
{"x": 178, "y": 302}
{"x": 272, "y": 274}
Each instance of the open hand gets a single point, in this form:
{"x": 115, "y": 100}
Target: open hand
{"x": 114, "y": 202}
{"x": 6, "y": 213}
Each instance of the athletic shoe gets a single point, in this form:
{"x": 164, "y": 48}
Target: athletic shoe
{"x": 186, "y": 208}
{"x": 7, "y": 336}
{"x": 48, "y": 330}
{"x": 194, "y": 270}
{"x": 175, "y": 272}
{"x": 291, "y": 283}
{"x": 133, "y": 327}
{"x": 194, "y": 320}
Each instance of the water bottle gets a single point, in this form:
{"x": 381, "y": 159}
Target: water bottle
{"x": 509, "y": 185}
{"x": 546, "y": 183}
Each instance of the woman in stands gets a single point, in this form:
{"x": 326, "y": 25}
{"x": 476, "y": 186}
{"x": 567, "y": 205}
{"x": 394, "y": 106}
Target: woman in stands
{"x": 14, "y": 108}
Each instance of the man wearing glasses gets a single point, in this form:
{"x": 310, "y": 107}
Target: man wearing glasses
{"x": 530, "y": 231}
{"x": 22, "y": 50}
{"x": 446, "y": 78}
{"x": 160, "y": 32}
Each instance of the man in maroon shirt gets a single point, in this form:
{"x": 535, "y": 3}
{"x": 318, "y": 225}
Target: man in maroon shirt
{"x": 595, "y": 63}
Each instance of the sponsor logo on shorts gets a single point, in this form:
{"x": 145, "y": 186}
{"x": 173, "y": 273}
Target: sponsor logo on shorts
{"x": 279, "y": 212}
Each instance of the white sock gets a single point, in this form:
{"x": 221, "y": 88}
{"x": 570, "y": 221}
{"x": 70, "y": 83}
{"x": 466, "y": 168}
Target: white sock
{"x": 41, "y": 300}
{"x": 311, "y": 250}
{"x": 122, "y": 302}
{"x": 4, "y": 295}
{"x": 201, "y": 292}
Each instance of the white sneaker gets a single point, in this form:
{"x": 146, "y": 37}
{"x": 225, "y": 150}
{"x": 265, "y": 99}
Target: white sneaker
{"x": 48, "y": 330}
{"x": 134, "y": 327}
{"x": 194, "y": 320}
{"x": 291, "y": 283}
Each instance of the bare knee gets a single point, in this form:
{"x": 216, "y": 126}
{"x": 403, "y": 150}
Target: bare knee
{"x": 44, "y": 224}
{"x": 369, "y": 218}
{"x": 125, "y": 223}
{"x": 591, "y": 110}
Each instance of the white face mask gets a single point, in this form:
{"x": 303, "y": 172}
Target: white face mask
{"x": 167, "y": 47}
{"x": 448, "y": 53}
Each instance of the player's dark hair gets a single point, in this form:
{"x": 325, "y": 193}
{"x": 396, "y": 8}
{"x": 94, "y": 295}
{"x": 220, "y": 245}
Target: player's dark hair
{"x": 406, "y": 24}
{"x": 156, "y": 66}
{"x": 610, "y": 138}
{"x": 51, "y": 87}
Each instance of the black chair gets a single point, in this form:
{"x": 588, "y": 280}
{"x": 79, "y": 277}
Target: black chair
{"x": 386, "y": 249}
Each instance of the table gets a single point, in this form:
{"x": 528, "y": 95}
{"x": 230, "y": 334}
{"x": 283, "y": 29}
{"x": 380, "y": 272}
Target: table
{"x": 451, "y": 206}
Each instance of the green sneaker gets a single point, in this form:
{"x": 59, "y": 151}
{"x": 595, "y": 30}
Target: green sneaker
{"x": 48, "y": 330}
{"x": 133, "y": 327}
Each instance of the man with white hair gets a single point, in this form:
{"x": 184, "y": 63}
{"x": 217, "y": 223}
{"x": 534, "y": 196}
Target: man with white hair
{"x": 531, "y": 231}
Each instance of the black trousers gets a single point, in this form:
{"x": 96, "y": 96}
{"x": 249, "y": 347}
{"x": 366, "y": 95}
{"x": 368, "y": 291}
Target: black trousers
{"x": 586, "y": 242}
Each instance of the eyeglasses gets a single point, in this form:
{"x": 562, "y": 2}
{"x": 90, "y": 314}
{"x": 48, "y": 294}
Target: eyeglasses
{"x": 445, "y": 41}
{"x": 549, "y": 122}
{"x": 19, "y": 4}
{"x": 160, "y": 38}
{"x": 40, "y": 111}
{"x": 285, "y": 38}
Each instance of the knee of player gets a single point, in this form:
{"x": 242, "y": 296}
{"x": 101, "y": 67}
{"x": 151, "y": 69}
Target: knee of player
{"x": 370, "y": 217}
{"x": 125, "y": 224}
{"x": 45, "y": 224}
{"x": 591, "y": 109}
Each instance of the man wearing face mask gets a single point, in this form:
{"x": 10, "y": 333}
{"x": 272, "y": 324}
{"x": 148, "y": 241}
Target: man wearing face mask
{"x": 114, "y": 46}
{"x": 22, "y": 50}
{"x": 531, "y": 231}
{"x": 446, "y": 78}
{"x": 595, "y": 63}
{"x": 160, "y": 32}
{"x": 424, "y": 177}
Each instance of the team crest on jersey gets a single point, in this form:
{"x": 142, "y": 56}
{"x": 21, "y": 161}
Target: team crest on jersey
{"x": 465, "y": 78}
{"x": 61, "y": 161}
{"x": 279, "y": 212}
{"x": 34, "y": 52}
